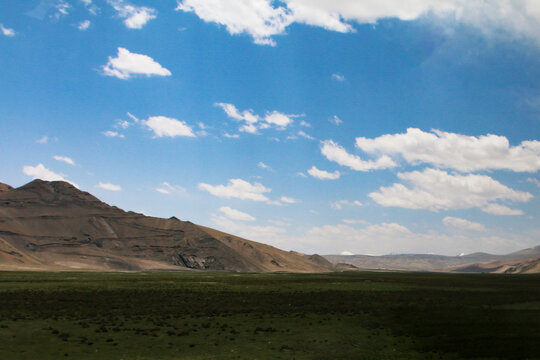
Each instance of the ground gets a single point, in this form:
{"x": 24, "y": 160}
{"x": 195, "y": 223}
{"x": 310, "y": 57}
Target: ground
{"x": 268, "y": 316}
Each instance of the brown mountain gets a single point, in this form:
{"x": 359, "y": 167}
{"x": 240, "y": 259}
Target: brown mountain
{"x": 528, "y": 265}
{"x": 55, "y": 226}
{"x": 427, "y": 262}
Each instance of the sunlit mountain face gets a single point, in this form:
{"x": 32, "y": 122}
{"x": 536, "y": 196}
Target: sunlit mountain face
{"x": 320, "y": 126}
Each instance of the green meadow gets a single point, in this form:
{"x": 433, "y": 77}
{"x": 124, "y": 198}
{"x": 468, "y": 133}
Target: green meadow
{"x": 361, "y": 315}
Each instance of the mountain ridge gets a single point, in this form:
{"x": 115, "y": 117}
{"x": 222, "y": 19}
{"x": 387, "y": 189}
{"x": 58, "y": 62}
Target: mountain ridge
{"x": 55, "y": 226}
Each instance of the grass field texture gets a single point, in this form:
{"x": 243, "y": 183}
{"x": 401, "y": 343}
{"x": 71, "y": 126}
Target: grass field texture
{"x": 268, "y": 316}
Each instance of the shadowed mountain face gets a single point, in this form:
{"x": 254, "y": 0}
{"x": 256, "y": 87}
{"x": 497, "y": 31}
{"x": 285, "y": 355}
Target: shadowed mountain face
{"x": 53, "y": 225}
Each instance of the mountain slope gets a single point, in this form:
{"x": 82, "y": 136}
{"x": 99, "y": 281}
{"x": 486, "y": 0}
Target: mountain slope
{"x": 53, "y": 225}
{"x": 423, "y": 262}
{"x": 530, "y": 265}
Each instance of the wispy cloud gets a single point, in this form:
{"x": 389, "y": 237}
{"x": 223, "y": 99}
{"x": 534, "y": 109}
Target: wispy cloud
{"x": 65, "y": 159}
{"x": 109, "y": 186}
{"x": 323, "y": 175}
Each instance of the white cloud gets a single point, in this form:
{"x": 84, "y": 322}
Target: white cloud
{"x": 278, "y": 119}
{"x": 109, "y": 186}
{"x": 41, "y": 172}
{"x": 438, "y": 190}
{"x": 338, "y": 205}
{"x": 65, "y": 159}
{"x": 167, "y": 127}
{"x": 127, "y": 64}
{"x": 234, "y": 214}
{"x": 252, "y": 123}
{"x": 323, "y": 175}
{"x": 135, "y": 17}
{"x": 257, "y": 18}
{"x": 239, "y": 189}
{"x": 338, "y": 77}
{"x": 304, "y": 123}
{"x": 387, "y": 238}
{"x": 335, "y": 120}
{"x": 346, "y": 253}
{"x": 84, "y": 25}
{"x": 304, "y": 135}
{"x": 497, "y": 209}
{"x": 264, "y": 166}
{"x": 231, "y": 136}
{"x": 456, "y": 151}
{"x": 110, "y": 133}
{"x": 262, "y": 19}
{"x": 167, "y": 189}
{"x": 288, "y": 200}
{"x": 301, "y": 174}
{"x": 463, "y": 224}
{"x": 334, "y": 152}
{"x": 7, "y": 31}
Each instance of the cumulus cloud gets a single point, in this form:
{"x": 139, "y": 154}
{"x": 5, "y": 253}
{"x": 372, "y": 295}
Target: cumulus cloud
{"x": 257, "y": 18}
{"x": 231, "y": 136}
{"x": 387, "y": 238}
{"x": 168, "y": 189}
{"x": 252, "y": 123}
{"x": 135, "y": 17}
{"x": 463, "y": 224}
{"x": 336, "y": 153}
{"x": 323, "y": 175}
{"x": 84, "y": 25}
{"x": 234, "y": 214}
{"x": 280, "y": 120}
{"x": 7, "y": 31}
{"x": 436, "y": 190}
{"x": 239, "y": 189}
{"x": 456, "y": 151}
{"x": 167, "y": 127}
{"x": 65, "y": 159}
{"x": 41, "y": 172}
{"x": 109, "y": 186}
{"x": 262, "y": 19}
{"x": 127, "y": 64}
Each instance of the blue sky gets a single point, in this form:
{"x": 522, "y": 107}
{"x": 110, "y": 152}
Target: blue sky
{"x": 318, "y": 126}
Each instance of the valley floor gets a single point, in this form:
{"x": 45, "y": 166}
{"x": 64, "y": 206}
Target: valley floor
{"x": 45, "y": 315}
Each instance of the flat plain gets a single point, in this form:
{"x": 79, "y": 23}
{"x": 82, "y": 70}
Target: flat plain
{"x": 200, "y": 315}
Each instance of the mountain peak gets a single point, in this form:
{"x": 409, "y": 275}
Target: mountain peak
{"x": 56, "y": 191}
{"x": 5, "y": 187}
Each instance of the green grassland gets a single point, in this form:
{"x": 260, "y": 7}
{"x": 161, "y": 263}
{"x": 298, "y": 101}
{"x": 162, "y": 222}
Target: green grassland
{"x": 268, "y": 316}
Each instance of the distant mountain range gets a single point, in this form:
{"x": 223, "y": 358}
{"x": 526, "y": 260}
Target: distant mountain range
{"x": 523, "y": 261}
{"x": 55, "y": 226}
